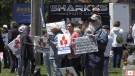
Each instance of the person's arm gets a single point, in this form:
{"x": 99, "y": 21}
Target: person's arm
{"x": 54, "y": 42}
{"x": 109, "y": 46}
{"x": 74, "y": 35}
{"x": 26, "y": 39}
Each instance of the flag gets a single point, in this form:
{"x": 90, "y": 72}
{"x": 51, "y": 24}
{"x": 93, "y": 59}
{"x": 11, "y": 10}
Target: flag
{"x": 43, "y": 23}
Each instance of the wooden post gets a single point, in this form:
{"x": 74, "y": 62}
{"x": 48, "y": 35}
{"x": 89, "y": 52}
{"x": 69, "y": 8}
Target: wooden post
{"x": 36, "y": 24}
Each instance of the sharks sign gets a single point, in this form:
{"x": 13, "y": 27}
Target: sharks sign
{"x": 77, "y": 9}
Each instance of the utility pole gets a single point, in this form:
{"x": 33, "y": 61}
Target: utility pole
{"x": 36, "y": 27}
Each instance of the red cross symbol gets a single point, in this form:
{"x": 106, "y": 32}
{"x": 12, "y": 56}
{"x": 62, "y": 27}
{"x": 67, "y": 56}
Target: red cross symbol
{"x": 16, "y": 46}
{"x": 41, "y": 42}
{"x": 63, "y": 41}
{"x": 68, "y": 73}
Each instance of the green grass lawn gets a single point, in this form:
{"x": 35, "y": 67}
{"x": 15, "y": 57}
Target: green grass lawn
{"x": 112, "y": 71}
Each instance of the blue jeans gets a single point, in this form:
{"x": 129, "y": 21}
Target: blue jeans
{"x": 47, "y": 63}
{"x": 20, "y": 66}
{"x": 105, "y": 70}
{"x": 117, "y": 55}
{"x": 56, "y": 64}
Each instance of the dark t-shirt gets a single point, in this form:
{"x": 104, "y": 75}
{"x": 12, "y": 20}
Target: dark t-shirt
{"x": 26, "y": 47}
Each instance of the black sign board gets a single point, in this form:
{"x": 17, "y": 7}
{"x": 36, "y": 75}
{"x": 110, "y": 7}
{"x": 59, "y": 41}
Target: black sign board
{"x": 77, "y": 10}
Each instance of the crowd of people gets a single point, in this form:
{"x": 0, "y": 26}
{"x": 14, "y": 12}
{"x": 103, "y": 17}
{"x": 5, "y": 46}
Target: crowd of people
{"x": 89, "y": 64}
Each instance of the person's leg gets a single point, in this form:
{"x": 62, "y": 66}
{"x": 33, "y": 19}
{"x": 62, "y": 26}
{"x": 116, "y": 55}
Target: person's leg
{"x": 105, "y": 70}
{"x": 8, "y": 58}
{"x": 114, "y": 56}
{"x": 87, "y": 71}
{"x": 47, "y": 64}
{"x": 12, "y": 62}
{"x": 25, "y": 61}
{"x": 119, "y": 56}
{"x": 20, "y": 65}
{"x": 75, "y": 62}
{"x": 56, "y": 65}
{"x": 96, "y": 72}
{"x": 5, "y": 59}
{"x": 33, "y": 65}
{"x": 28, "y": 68}
{"x": 16, "y": 63}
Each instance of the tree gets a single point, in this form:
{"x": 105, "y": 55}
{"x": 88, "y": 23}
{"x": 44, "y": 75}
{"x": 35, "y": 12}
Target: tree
{"x": 6, "y": 10}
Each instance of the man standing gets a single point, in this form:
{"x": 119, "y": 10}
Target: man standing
{"x": 12, "y": 34}
{"x": 117, "y": 49}
{"x": 6, "y": 52}
{"x": 94, "y": 62}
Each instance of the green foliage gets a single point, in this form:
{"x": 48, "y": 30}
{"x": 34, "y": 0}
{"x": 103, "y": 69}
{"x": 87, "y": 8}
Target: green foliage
{"x": 6, "y": 6}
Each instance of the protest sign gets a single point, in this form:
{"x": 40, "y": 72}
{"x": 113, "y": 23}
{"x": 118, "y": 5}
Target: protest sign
{"x": 5, "y": 38}
{"x": 63, "y": 43}
{"x": 1, "y": 56}
{"x": 68, "y": 71}
{"x": 85, "y": 45}
{"x": 61, "y": 25}
{"x": 65, "y": 31}
{"x": 15, "y": 46}
{"x": 41, "y": 44}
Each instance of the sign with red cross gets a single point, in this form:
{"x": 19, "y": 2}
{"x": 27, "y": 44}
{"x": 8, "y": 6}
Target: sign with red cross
{"x": 63, "y": 43}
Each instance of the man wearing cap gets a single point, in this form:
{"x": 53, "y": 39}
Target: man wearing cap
{"x": 6, "y": 53}
{"x": 94, "y": 62}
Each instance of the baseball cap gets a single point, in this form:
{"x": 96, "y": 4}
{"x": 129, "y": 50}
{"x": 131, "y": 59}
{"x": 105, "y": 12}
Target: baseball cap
{"x": 5, "y": 26}
{"x": 94, "y": 17}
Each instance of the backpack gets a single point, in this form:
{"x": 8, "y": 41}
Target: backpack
{"x": 102, "y": 39}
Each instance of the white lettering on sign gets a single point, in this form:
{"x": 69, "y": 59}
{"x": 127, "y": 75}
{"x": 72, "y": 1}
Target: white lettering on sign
{"x": 54, "y": 8}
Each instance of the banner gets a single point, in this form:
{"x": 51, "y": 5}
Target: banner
{"x": 61, "y": 25}
{"x": 41, "y": 44}
{"x": 76, "y": 9}
{"x": 22, "y": 12}
{"x": 85, "y": 45}
{"x": 64, "y": 44}
{"x": 15, "y": 46}
{"x": 68, "y": 71}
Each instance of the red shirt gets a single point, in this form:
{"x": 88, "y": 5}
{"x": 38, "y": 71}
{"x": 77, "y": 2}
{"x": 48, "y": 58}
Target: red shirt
{"x": 72, "y": 55}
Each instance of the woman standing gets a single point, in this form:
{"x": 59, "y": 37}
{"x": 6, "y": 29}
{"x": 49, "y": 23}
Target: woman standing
{"x": 27, "y": 52}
